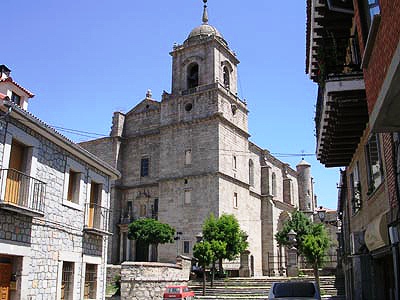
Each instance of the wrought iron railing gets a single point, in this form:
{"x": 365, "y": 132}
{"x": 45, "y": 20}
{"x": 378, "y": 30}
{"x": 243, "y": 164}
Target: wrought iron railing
{"x": 329, "y": 261}
{"x": 21, "y": 190}
{"x": 96, "y": 217}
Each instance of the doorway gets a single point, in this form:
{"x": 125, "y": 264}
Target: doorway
{"x": 5, "y": 280}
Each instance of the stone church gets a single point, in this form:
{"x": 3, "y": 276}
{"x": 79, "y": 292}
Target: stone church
{"x": 189, "y": 155}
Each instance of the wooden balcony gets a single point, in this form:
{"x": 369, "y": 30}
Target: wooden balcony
{"x": 21, "y": 193}
{"x": 341, "y": 117}
{"x": 96, "y": 219}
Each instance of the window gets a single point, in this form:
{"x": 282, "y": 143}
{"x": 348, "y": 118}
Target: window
{"x": 15, "y": 98}
{"x": 188, "y": 106}
{"x": 234, "y": 162}
{"x": 273, "y": 184}
{"x": 90, "y": 282}
{"x": 16, "y": 184}
{"x": 186, "y": 247}
{"x": 226, "y": 77}
{"x": 355, "y": 189}
{"x": 67, "y": 282}
{"x": 193, "y": 76}
{"x": 20, "y": 187}
{"x": 154, "y": 210}
{"x": 374, "y": 164}
{"x": 188, "y": 196}
{"x": 144, "y": 167}
{"x": 369, "y": 8}
{"x": 235, "y": 200}
{"x": 373, "y": 8}
{"x": 251, "y": 173}
{"x": 73, "y": 186}
{"x": 188, "y": 157}
{"x": 95, "y": 209}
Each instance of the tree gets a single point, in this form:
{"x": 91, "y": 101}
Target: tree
{"x": 300, "y": 224}
{"x": 219, "y": 250}
{"x": 312, "y": 239}
{"x": 225, "y": 229}
{"x": 150, "y": 231}
{"x": 315, "y": 245}
{"x": 205, "y": 255}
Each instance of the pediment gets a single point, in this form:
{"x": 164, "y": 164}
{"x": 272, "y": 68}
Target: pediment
{"x": 145, "y": 106}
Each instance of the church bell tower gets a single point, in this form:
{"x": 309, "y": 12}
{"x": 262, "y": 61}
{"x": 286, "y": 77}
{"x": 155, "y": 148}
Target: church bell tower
{"x": 203, "y": 59}
{"x": 203, "y": 133}
{"x": 205, "y": 62}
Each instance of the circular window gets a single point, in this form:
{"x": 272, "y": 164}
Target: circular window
{"x": 234, "y": 109}
{"x": 188, "y": 106}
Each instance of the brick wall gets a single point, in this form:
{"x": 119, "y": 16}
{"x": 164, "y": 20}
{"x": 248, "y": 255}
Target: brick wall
{"x": 385, "y": 44}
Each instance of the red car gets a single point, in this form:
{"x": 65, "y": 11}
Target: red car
{"x": 178, "y": 292}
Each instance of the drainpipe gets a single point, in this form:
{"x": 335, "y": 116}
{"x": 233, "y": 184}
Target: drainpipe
{"x": 394, "y": 229}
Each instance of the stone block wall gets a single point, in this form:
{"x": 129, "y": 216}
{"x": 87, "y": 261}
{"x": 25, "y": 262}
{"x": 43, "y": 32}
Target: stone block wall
{"x": 15, "y": 227}
{"x": 56, "y": 236}
{"x": 144, "y": 280}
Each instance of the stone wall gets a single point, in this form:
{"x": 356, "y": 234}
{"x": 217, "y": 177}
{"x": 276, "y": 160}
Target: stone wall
{"x": 144, "y": 280}
{"x": 43, "y": 243}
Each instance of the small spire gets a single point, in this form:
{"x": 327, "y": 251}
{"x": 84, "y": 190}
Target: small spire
{"x": 205, "y": 14}
{"x": 149, "y": 94}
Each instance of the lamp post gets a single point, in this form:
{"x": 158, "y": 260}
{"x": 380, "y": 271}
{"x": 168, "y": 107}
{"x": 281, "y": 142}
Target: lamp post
{"x": 321, "y": 214}
{"x": 177, "y": 238}
{"x": 292, "y": 267}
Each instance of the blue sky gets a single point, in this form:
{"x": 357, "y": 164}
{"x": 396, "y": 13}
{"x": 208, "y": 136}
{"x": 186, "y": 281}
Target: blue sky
{"x": 86, "y": 59}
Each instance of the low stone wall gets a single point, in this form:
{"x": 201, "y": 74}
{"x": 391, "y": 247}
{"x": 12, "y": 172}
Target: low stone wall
{"x": 147, "y": 280}
{"x": 113, "y": 271}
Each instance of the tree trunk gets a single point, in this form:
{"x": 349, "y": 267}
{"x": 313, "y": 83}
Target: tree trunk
{"x": 316, "y": 275}
{"x": 204, "y": 280}
{"x": 212, "y": 274}
{"x": 220, "y": 268}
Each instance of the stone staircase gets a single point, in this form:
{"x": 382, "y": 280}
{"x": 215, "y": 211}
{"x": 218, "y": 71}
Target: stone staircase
{"x": 258, "y": 288}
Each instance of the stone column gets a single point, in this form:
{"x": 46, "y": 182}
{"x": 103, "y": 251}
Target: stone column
{"x": 244, "y": 270}
{"x": 121, "y": 248}
{"x": 292, "y": 267}
{"x": 266, "y": 233}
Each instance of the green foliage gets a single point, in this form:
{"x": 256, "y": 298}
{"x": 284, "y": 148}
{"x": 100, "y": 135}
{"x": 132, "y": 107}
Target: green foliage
{"x": 218, "y": 248}
{"x": 300, "y": 224}
{"x": 151, "y": 231}
{"x": 226, "y": 230}
{"x": 204, "y": 253}
{"x": 315, "y": 245}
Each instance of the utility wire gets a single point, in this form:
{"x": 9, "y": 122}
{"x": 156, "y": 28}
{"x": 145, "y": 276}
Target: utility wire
{"x": 88, "y": 134}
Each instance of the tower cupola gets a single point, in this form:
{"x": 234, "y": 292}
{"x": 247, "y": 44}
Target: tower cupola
{"x": 203, "y": 59}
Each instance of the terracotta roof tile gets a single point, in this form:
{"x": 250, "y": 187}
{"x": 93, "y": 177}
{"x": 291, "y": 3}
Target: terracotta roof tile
{"x": 9, "y": 79}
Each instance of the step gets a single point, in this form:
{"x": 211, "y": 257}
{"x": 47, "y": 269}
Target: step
{"x": 258, "y": 288}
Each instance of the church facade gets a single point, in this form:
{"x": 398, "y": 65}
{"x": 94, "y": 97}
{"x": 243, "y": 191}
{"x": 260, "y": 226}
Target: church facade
{"x": 189, "y": 155}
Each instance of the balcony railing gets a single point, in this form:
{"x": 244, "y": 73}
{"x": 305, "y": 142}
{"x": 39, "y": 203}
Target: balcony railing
{"x": 22, "y": 193}
{"x": 96, "y": 218}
